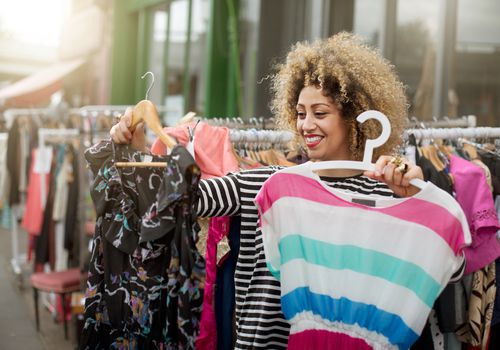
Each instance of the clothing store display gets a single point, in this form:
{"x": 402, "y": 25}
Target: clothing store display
{"x": 259, "y": 320}
{"x": 353, "y": 276}
{"x": 143, "y": 288}
{"x": 409, "y": 250}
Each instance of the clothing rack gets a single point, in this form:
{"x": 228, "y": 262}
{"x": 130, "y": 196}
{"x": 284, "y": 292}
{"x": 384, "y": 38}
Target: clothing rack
{"x": 110, "y": 110}
{"x": 468, "y": 121}
{"x": 12, "y": 113}
{"x": 253, "y": 136}
{"x": 453, "y": 133}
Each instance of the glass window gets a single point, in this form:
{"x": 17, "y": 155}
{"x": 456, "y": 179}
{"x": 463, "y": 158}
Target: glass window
{"x": 167, "y": 59}
{"x": 415, "y": 52}
{"x": 156, "y": 56}
{"x": 368, "y": 17}
{"x": 477, "y": 77}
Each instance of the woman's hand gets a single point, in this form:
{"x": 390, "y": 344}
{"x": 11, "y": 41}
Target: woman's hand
{"x": 396, "y": 177}
{"x": 121, "y": 134}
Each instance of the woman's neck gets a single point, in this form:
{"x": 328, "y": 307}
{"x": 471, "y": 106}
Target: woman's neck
{"x": 339, "y": 172}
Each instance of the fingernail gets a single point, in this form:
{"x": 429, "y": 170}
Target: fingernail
{"x": 377, "y": 173}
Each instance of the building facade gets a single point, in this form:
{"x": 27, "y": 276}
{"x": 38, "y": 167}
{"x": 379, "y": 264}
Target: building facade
{"x": 215, "y": 56}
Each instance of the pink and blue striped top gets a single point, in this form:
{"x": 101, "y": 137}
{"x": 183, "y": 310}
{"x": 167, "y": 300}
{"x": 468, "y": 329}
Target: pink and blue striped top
{"x": 353, "y": 275}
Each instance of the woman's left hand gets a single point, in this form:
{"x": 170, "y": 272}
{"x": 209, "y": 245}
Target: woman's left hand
{"x": 396, "y": 177}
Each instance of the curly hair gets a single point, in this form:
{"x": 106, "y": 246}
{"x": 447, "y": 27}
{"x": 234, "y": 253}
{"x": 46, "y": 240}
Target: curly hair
{"x": 354, "y": 76}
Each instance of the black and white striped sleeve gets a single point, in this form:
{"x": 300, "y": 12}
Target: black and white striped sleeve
{"x": 218, "y": 196}
{"x": 458, "y": 274}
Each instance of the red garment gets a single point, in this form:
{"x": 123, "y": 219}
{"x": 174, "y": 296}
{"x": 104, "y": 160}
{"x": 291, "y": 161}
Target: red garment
{"x": 212, "y": 148}
{"x": 33, "y": 213}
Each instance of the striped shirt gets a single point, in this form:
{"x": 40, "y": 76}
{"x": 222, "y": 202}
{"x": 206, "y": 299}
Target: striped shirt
{"x": 366, "y": 285}
{"x": 260, "y": 322}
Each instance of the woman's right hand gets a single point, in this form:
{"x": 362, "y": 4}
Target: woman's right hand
{"x": 121, "y": 134}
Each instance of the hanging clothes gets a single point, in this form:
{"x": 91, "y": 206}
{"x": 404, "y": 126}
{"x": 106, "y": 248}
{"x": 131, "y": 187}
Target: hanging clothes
{"x": 213, "y": 149}
{"x": 33, "y": 213}
{"x": 475, "y": 198}
{"x": 218, "y": 228}
{"x": 399, "y": 245}
{"x": 476, "y": 330}
{"x": 72, "y": 229}
{"x": 143, "y": 289}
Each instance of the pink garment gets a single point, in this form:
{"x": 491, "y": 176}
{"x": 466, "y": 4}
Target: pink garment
{"x": 316, "y": 339}
{"x": 33, "y": 213}
{"x": 207, "y": 340}
{"x": 212, "y": 148}
{"x": 476, "y": 200}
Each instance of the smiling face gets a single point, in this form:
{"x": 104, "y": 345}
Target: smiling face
{"x": 321, "y": 125}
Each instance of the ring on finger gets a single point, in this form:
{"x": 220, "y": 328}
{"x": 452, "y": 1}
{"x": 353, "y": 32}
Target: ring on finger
{"x": 402, "y": 168}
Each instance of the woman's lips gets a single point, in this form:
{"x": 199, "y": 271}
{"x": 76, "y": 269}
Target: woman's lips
{"x": 312, "y": 140}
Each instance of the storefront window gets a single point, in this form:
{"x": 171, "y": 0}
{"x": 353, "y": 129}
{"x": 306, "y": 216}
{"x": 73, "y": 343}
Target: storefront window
{"x": 477, "y": 77}
{"x": 415, "y": 52}
{"x": 171, "y": 60}
{"x": 368, "y": 17}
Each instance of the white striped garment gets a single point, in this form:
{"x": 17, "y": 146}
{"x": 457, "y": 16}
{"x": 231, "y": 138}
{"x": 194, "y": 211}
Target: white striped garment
{"x": 260, "y": 322}
{"x": 364, "y": 276}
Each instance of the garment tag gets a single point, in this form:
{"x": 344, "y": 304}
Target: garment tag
{"x": 43, "y": 160}
{"x": 367, "y": 202}
{"x": 148, "y": 158}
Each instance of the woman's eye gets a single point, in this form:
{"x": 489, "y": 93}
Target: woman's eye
{"x": 319, "y": 114}
{"x": 301, "y": 115}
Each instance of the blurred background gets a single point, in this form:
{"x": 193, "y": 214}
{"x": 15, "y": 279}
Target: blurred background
{"x": 72, "y": 62}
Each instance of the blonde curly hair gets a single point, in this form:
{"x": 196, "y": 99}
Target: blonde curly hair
{"x": 354, "y": 76}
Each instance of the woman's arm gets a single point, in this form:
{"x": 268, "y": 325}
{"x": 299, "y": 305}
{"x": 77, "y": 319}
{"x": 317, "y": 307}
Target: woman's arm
{"x": 219, "y": 196}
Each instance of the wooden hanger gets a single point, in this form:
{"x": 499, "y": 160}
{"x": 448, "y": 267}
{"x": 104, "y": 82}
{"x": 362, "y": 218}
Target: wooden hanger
{"x": 146, "y": 111}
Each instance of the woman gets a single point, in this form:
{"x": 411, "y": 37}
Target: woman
{"x": 318, "y": 92}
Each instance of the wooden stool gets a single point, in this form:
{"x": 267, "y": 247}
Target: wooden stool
{"x": 62, "y": 283}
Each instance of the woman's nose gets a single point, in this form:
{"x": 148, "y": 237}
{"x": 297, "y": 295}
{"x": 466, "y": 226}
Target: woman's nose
{"x": 308, "y": 122}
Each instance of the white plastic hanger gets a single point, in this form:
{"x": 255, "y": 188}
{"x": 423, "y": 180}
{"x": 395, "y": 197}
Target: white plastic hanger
{"x": 366, "y": 163}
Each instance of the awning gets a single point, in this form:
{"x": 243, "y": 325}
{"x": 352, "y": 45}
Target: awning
{"x": 37, "y": 88}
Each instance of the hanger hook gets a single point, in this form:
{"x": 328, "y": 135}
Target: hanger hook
{"x": 152, "y": 82}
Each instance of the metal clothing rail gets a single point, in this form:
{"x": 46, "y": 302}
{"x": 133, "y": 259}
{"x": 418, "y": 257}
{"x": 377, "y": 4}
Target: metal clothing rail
{"x": 12, "y": 113}
{"x": 260, "y": 136}
{"x": 468, "y": 121}
{"x": 453, "y": 133}
{"x": 110, "y": 110}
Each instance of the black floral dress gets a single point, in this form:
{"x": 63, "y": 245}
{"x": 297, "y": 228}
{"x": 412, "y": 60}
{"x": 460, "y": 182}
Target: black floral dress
{"x": 145, "y": 280}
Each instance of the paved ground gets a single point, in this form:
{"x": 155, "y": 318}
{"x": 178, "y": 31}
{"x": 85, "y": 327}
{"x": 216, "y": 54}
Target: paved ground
{"x": 17, "y": 320}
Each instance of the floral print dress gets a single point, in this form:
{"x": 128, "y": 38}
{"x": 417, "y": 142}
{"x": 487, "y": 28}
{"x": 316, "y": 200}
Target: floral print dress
{"x": 145, "y": 280}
